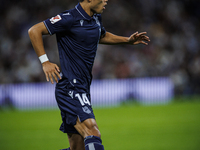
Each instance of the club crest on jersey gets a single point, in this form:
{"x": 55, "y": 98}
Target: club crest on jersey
{"x": 81, "y": 22}
{"x": 55, "y": 19}
{"x": 86, "y": 110}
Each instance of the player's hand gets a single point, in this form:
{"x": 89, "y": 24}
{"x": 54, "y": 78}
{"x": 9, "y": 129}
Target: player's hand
{"x": 51, "y": 71}
{"x": 137, "y": 38}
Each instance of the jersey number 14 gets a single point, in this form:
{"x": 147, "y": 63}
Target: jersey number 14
{"x": 83, "y": 100}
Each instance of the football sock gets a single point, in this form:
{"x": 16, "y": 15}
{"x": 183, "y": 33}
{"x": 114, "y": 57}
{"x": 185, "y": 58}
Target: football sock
{"x": 93, "y": 143}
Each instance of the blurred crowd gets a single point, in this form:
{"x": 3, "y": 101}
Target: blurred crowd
{"x": 172, "y": 25}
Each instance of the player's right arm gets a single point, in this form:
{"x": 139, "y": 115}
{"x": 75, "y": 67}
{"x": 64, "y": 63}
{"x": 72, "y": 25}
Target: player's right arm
{"x": 36, "y": 32}
{"x": 135, "y": 38}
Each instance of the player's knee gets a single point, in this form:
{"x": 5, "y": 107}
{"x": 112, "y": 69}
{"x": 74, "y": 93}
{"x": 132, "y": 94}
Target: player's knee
{"x": 94, "y": 130}
{"x": 97, "y": 133}
{"x": 88, "y": 128}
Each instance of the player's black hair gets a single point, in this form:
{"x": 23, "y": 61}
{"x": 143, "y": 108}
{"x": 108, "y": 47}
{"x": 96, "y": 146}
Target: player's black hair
{"x": 80, "y": 0}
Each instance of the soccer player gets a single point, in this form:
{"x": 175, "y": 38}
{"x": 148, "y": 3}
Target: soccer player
{"x": 78, "y": 32}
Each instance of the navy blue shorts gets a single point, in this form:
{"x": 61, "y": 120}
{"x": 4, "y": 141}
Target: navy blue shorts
{"x": 73, "y": 99}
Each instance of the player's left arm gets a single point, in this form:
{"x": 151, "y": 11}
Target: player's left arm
{"x": 135, "y": 38}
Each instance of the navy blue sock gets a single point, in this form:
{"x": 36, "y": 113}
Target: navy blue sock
{"x": 93, "y": 143}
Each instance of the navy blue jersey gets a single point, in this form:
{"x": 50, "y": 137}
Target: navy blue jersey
{"x": 77, "y": 36}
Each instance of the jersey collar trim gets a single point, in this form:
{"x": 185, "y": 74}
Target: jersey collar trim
{"x": 82, "y": 12}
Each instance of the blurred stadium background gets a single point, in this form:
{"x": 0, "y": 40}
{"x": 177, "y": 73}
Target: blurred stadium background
{"x": 165, "y": 76}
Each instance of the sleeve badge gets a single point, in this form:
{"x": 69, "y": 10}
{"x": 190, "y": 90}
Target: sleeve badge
{"x": 55, "y": 19}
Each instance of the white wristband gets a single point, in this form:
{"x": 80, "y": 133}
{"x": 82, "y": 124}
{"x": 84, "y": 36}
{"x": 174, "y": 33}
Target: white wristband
{"x": 43, "y": 58}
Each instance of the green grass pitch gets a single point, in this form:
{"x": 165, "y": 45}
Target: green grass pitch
{"x": 174, "y": 126}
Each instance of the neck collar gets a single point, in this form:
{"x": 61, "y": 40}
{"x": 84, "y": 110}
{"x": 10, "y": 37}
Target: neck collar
{"x": 82, "y": 12}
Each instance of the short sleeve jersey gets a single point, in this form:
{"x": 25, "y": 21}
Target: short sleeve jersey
{"x": 77, "y": 36}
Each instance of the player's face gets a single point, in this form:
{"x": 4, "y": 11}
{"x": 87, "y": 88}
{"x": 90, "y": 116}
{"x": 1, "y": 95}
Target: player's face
{"x": 98, "y": 6}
